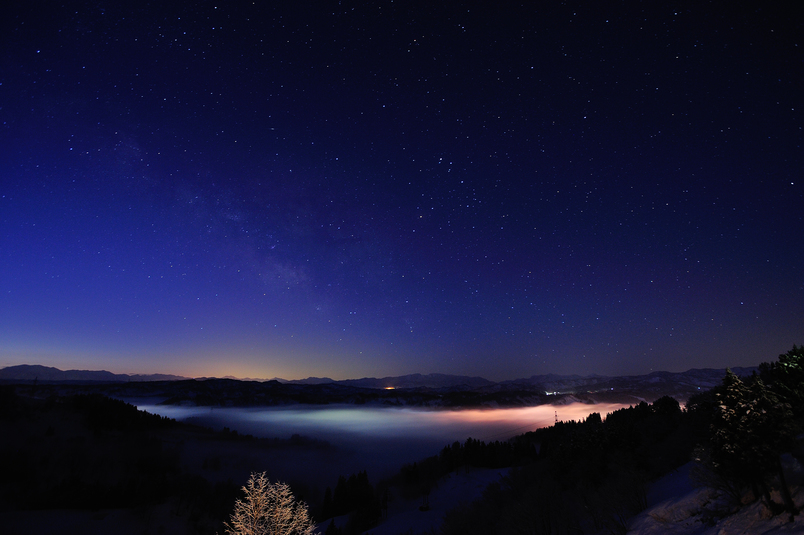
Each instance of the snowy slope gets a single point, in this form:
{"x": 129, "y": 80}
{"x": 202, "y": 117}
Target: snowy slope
{"x": 679, "y": 509}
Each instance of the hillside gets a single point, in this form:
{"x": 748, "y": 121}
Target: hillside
{"x": 92, "y": 462}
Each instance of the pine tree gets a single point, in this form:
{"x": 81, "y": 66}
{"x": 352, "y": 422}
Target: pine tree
{"x": 786, "y": 378}
{"x": 751, "y": 430}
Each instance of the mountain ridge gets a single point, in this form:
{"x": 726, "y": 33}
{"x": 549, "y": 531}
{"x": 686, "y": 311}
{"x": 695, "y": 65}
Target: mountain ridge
{"x": 32, "y": 372}
{"x": 680, "y": 385}
{"x": 37, "y": 372}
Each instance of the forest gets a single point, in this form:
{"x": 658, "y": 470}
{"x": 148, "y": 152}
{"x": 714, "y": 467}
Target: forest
{"x": 592, "y": 476}
{"x": 93, "y": 453}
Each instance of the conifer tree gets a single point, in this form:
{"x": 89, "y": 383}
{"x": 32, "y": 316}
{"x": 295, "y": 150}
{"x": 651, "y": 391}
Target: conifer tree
{"x": 750, "y": 432}
{"x": 786, "y": 378}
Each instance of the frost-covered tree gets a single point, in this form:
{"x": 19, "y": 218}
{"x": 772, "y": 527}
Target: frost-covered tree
{"x": 786, "y": 378}
{"x": 269, "y": 509}
{"x": 750, "y": 431}
{"x": 730, "y": 435}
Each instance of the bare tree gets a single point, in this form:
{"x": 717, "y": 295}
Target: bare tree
{"x": 269, "y": 509}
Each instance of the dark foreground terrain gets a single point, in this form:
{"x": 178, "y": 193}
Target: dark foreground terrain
{"x": 91, "y": 464}
{"x": 78, "y": 462}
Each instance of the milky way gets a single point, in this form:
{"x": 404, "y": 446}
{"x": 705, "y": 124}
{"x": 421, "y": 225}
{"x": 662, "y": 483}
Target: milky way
{"x": 375, "y": 189}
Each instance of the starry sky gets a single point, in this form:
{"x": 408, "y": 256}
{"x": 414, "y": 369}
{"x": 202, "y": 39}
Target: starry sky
{"x": 350, "y": 189}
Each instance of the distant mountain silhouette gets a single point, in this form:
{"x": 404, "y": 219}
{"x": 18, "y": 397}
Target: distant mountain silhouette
{"x": 693, "y": 379}
{"x": 433, "y": 389}
{"x": 309, "y": 381}
{"x": 28, "y": 372}
{"x": 417, "y": 380}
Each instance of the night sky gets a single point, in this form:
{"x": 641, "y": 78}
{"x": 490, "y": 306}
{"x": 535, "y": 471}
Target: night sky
{"x": 349, "y": 189}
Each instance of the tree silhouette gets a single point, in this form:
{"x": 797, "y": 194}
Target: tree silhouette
{"x": 269, "y": 509}
{"x": 750, "y": 431}
{"x": 786, "y": 377}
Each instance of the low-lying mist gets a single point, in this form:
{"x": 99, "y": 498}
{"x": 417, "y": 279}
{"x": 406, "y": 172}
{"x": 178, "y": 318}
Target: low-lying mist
{"x": 377, "y": 439}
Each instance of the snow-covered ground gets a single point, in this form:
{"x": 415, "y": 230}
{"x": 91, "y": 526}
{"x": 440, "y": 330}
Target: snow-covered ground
{"x": 684, "y": 515}
{"x": 458, "y": 487}
{"x": 404, "y": 516}
{"x": 676, "y": 508}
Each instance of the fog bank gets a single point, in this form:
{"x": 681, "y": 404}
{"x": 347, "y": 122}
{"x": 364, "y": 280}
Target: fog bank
{"x": 379, "y": 439}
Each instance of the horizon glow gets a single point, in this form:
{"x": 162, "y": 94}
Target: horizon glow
{"x": 242, "y": 194}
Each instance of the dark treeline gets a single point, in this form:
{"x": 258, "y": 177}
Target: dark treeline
{"x": 365, "y": 505}
{"x": 593, "y": 475}
{"x": 104, "y": 413}
{"x": 584, "y": 475}
{"x": 356, "y": 497}
{"x": 90, "y": 452}
{"x": 65, "y": 468}
{"x": 420, "y": 477}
